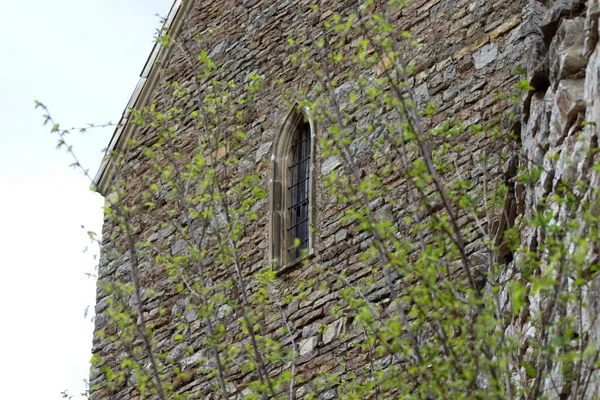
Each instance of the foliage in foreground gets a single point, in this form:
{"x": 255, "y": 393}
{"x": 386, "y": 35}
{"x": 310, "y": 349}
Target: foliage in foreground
{"x": 456, "y": 304}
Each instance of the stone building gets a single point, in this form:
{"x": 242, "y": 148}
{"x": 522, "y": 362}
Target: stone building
{"x": 468, "y": 52}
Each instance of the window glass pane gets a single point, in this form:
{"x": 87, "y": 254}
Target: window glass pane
{"x": 299, "y": 191}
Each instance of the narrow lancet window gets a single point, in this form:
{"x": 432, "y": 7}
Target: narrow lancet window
{"x": 292, "y": 212}
{"x": 298, "y": 191}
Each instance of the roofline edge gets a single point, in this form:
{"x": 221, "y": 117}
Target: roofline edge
{"x": 139, "y": 98}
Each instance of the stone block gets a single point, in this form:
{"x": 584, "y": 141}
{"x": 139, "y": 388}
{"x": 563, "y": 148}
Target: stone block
{"x": 538, "y": 70}
{"x": 592, "y": 92}
{"x": 567, "y": 105}
{"x": 485, "y": 56}
{"x": 224, "y": 311}
{"x": 330, "y": 164}
{"x": 591, "y": 26}
{"x": 566, "y": 53}
{"x": 341, "y": 235}
{"x": 308, "y": 345}
{"x": 179, "y": 247}
{"x": 421, "y": 94}
{"x": 263, "y": 150}
{"x": 311, "y": 330}
{"x": 530, "y": 131}
{"x": 384, "y": 213}
{"x": 555, "y": 15}
{"x": 334, "y": 330}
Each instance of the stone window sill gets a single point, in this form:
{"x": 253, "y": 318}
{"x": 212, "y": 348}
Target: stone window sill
{"x": 296, "y": 263}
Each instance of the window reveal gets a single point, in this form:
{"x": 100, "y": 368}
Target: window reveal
{"x": 299, "y": 192}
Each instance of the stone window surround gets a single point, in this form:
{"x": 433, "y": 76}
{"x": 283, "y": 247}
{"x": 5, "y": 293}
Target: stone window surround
{"x": 279, "y": 199}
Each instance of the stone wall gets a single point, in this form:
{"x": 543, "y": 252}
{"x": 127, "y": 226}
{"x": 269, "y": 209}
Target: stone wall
{"x": 467, "y": 54}
{"x": 559, "y": 136}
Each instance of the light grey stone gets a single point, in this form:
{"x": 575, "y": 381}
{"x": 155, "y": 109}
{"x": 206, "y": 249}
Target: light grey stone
{"x": 123, "y": 270}
{"x": 308, "y": 345}
{"x": 293, "y": 306}
{"x": 104, "y": 260}
{"x": 224, "y": 311}
{"x": 311, "y": 329}
{"x": 384, "y": 213}
{"x": 333, "y": 330}
{"x": 301, "y": 391}
{"x": 191, "y": 315}
{"x": 251, "y": 73}
{"x": 472, "y": 120}
{"x": 422, "y": 94}
{"x": 567, "y": 104}
{"x": 328, "y": 242}
{"x": 376, "y": 203}
{"x": 246, "y": 166}
{"x": 218, "y": 222}
{"x": 358, "y": 146}
{"x": 263, "y": 150}
{"x": 330, "y": 394}
{"x": 179, "y": 307}
{"x": 450, "y": 93}
{"x": 450, "y": 72}
{"x": 193, "y": 359}
{"x": 152, "y": 238}
{"x": 341, "y": 235}
{"x": 343, "y": 92}
{"x": 178, "y": 247}
{"x": 475, "y": 5}
{"x": 383, "y": 363}
{"x": 177, "y": 352}
{"x": 218, "y": 49}
{"x": 591, "y": 26}
{"x": 330, "y": 164}
{"x": 556, "y": 14}
{"x": 567, "y": 54}
{"x": 102, "y": 305}
{"x": 166, "y": 232}
{"x": 245, "y": 392}
{"x": 566, "y": 167}
{"x": 485, "y": 56}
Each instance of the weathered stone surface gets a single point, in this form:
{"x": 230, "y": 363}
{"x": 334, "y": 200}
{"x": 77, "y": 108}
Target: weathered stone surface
{"x": 538, "y": 70}
{"x": 194, "y": 359}
{"x": 308, "y": 345}
{"x": 485, "y": 56}
{"x": 179, "y": 247}
{"x": 591, "y": 26}
{"x": 566, "y": 52}
{"x": 341, "y": 235}
{"x": 263, "y": 150}
{"x": 422, "y": 94}
{"x": 568, "y": 102}
{"x": 224, "y": 311}
{"x": 218, "y": 49}
{"x": 556, "y": 138}
{"x": 559, "y": 10}
{"x": 385, "y": 213}
{"x": 330, "y": 164}
{"x": 333, "y": 330}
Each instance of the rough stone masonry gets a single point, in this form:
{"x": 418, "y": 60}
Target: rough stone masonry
{"x": 468, "y": 52}
{"x": 559, "y": 121}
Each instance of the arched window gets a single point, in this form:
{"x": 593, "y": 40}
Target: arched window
{"x": 292, "y": 202}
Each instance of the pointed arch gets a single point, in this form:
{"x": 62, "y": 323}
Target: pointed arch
{"x": 293, "y": 189}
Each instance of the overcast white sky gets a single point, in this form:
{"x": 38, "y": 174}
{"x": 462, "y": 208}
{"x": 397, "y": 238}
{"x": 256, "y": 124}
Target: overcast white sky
{"x": 82, "y": 58}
